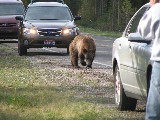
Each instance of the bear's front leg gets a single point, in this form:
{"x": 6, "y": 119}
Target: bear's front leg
{"x": 74, "y": 59}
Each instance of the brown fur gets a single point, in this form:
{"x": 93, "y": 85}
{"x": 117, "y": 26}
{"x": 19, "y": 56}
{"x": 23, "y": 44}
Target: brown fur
{"x": 82, "y": 48}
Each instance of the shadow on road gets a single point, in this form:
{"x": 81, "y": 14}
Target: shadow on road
{"x": 46, "y": 53}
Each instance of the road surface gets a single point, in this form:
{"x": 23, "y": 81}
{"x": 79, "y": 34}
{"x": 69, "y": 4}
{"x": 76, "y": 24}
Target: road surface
{"x": 102, "y": 58}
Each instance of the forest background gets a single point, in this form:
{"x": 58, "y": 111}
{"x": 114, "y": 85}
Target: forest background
{"x": 105, "y": 15}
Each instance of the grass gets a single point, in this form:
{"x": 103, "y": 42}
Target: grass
{"x": 28, "y": 93}
{"x": 100, "y": 32}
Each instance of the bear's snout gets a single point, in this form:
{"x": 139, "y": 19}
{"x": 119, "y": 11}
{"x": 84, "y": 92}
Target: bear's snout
{"x": 89, "y": 63}
{"x": 83, "y": 63}
{"x": 89, "y": 66}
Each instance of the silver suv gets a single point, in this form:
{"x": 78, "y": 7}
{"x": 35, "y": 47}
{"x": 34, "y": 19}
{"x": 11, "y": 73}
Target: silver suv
{"x": 46, "y": 24}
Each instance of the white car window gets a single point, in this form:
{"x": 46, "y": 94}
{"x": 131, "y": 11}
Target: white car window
{"x": 135, "y": 21}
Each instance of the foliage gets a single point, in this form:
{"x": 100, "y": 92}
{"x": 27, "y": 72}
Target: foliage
{"x": 85, "y": 13}
{"x": 110, "y": 15}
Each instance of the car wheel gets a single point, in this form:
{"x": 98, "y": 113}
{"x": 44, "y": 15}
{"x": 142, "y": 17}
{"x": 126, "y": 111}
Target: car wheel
{"x": 21, "y": 49}
{"x": 121, "y": 100}
{"x": 148, "y": 80}
{"x": 67, "y": 50}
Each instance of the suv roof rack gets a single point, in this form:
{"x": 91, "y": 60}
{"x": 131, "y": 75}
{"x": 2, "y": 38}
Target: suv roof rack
{"x": 60, "y": 1}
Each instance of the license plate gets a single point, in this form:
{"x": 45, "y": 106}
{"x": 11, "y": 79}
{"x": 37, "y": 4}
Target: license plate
{"x": 49, "y": 42}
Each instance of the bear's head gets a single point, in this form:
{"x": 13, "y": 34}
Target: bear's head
{"x": 89, "y": 55}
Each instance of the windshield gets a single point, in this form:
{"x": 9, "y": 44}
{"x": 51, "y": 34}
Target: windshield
{"x": 48, "y": 1}
{"x": 11, "y": 9}
{"x": 48, "y": 13}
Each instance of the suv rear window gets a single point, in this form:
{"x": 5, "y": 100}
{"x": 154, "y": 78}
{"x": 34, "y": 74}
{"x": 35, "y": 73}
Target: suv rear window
{"x": 11, "y": 9}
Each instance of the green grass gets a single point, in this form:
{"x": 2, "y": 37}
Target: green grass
{"x": 28, "y": 93}
{"x": 100, "y": 32}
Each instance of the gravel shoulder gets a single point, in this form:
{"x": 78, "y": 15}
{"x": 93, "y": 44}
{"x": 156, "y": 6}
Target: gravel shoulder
{"x": 96, "y": 82}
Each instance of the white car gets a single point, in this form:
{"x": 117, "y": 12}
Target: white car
{"x": 131, "y": 64}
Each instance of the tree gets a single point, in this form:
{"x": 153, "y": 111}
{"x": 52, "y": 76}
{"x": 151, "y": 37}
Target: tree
{"x": 87, "y": 11}
{"x": 74, "y": 5}
{"x": 110, "y": 15}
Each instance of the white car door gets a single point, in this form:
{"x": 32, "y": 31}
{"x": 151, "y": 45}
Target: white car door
{"x": 129, "y": 59}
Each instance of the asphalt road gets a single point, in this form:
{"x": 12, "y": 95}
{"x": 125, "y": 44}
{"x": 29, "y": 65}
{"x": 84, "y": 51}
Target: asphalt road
{"x": 102, "y": 58}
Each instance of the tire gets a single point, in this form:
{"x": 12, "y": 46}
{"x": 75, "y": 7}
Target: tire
{"x": 148, "y": 80}
{"x": 68, "y": 50}
{"x": 22, "y": 50}
{"x": 123, "y": 103}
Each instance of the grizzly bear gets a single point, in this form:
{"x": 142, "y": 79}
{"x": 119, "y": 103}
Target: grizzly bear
{"x": 82, "y": 48}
